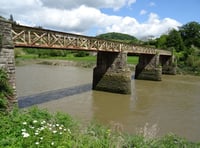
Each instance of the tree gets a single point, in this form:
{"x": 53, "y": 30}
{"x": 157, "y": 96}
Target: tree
{"x": 161, "y": 42}
{"x": 190, "y": 34}
{"x": 12, "y": 19}
{"x": 174, "y": 40}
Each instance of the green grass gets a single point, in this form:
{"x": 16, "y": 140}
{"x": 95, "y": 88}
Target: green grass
{"x": 132, "y": 60}
{"x": 35, "y": 128}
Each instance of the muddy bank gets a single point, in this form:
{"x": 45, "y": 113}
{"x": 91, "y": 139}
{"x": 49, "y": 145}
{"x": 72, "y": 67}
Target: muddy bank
{"x": 85, "y": 64}
{"x": 22, "y": 62}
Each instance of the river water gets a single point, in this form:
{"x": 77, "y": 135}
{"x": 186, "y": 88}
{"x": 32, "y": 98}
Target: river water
{"x": 172, "y": 105}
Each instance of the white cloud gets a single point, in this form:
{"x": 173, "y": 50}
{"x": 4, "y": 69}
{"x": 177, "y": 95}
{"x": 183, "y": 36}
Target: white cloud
{"x": 68, "y": 4}
{"x": 143, "y": 12}
{"x": 153, "y": 27}
{"x": 83, "y": 18}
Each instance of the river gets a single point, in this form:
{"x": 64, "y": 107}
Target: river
{"x": 172, "y": 105}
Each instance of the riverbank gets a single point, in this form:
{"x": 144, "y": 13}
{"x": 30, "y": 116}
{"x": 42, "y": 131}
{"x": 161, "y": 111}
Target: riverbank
{"x": 38, "y": 128}
{"x": 78, "y": 62}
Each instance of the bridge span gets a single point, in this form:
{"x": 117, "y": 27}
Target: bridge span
{"x": 111, "y": 72}
{"x": 24, "y": 36}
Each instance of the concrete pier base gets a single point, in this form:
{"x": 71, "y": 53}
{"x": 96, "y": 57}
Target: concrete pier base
{"x": 148, "y": 68}
{"x": 169, "y": 65}
{"x": 111, "y": 73}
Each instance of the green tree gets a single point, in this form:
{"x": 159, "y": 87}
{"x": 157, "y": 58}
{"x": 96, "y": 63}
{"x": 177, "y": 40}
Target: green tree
{"x": 190, "y": 34}
{"x": 174, "y": 40}
{"x": 161, "y": 42}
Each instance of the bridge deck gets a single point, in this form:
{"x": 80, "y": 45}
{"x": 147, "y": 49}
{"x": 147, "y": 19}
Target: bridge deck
{"x": 24, "y": 36}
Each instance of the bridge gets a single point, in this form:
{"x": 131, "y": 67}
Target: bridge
{"x": 111, "y": 72}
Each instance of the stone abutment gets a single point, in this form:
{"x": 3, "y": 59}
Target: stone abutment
{"x": 7, "y": 60}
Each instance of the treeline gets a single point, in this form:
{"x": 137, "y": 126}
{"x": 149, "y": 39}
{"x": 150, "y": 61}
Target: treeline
{"x": 185, "y": 42}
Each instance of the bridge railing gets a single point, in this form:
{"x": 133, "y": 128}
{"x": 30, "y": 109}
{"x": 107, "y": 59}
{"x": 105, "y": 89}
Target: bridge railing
{"x": 24, "y": 36}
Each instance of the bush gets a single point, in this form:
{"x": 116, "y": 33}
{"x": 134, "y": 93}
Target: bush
{"x": 37, "y": 128}
{"x": 81, "y": 54}
{"x": 5, "y": 89}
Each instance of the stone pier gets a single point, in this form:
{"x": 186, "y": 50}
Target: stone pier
{"x": 111, "y": 73}
{"x": 149, "y": 67}
{"x": 168, "y": 64}
{"x": 7, "y": 60}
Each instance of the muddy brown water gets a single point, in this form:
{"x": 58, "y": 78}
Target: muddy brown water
{"x": 173, "y": 104}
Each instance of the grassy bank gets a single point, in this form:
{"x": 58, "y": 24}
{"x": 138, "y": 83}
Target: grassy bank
{"x": 86, "y": 61}
{"x": 37, "y": 128}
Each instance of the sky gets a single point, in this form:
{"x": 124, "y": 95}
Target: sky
{"x": 139, "y": 18}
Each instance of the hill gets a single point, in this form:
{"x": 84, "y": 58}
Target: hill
{"x": 119, "y": 37}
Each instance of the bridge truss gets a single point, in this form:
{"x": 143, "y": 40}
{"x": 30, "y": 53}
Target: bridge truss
{"x": 24, "y": 36}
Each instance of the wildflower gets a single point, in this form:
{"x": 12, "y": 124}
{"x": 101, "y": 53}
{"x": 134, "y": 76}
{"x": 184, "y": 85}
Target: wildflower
{"x": 57, "y": 125}
{"x": 36, "y": 133}
{"x": 43, "y": 122}
{"x": 25, "y": 135}
{"x": 41, "y": 138}
{"x": 54, "y": 132}
{"x": 49, "y": 124}
{"x": 60, "y": 133}
{"x": 69, "y": 131}
{"x": 42, "y": 128}
{"x": 24, "y": 123}
{"x": 60, "y": 128}
{"x": 23, "y": 130}
{"x": 52, "y": 143}
{"x": 32, "y": 127}
{"x": 50, "y": 128}
{"x": 65, "y": 130}
{"x": 36, "y": 143}
{"x": 35, "y": 121}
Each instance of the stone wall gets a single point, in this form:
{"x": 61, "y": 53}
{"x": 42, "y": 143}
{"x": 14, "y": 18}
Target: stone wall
{"x": 7, "y": 60}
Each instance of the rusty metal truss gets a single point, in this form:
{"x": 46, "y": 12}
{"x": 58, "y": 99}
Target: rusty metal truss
{"x": 24, "y": 36}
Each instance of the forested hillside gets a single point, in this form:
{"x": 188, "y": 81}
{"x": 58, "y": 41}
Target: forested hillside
{"x": 119, "y": 37}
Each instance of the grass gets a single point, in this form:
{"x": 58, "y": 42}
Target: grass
{"x": 37, "y": 128}
{"x": 90, "y": 59}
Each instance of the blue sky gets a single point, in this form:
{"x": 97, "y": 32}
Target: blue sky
{"x": 183, "y": 11}
{"x": 140, "y": 18}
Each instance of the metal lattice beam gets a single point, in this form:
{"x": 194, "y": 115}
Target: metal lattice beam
{"x": 24, "y": 36}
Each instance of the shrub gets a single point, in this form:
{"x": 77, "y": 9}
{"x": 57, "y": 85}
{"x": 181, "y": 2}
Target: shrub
{"x": 5, "y": 89}
{"x": 81, "y": 54}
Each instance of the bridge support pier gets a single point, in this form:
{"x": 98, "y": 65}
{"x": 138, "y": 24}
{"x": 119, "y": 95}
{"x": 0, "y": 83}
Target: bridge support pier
{"x": 168, "y": 64}
{"x": 149, "y": 67}
{"x": 111, "y": 73}
{"x": 7, "y": 60}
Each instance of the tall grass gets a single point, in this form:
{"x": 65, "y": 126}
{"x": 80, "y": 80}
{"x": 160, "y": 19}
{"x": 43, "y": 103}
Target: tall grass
{"x": 37, "y": 128}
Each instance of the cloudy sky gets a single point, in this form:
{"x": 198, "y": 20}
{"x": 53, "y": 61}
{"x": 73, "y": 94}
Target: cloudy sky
{"x": 139, "y": 18}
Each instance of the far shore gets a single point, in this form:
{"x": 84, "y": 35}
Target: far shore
{"x": 56, "y": 62}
